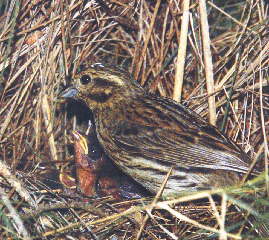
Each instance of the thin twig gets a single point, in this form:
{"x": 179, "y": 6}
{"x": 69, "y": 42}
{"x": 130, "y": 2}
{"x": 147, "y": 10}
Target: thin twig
{"x": 208, "y": 62}
{"x": 181, "y": 52}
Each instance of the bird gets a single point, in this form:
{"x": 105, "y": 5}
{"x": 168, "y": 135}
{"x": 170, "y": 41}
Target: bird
{"x": 96, "y": 175}
{"x": 147, "y": 135}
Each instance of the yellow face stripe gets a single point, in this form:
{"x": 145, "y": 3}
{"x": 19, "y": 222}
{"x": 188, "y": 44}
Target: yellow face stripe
{"x": 110, "y": 76}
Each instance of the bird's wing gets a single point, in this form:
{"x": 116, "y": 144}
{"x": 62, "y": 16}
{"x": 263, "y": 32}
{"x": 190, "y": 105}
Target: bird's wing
{"x": 193, "y": 144}
{"x": 176, "y": 148}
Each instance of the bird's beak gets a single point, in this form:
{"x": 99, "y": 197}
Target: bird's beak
{"x": 69, "y": 93}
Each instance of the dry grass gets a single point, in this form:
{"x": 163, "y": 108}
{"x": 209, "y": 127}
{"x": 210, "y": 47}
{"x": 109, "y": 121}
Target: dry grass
{"x": 43, "y": 43}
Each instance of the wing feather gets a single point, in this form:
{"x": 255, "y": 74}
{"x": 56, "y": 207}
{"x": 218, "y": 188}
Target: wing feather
{"x": 180, "y": 138}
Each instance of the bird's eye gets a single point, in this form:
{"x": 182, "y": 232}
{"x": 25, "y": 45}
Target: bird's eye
{"x": 85, "y": 79}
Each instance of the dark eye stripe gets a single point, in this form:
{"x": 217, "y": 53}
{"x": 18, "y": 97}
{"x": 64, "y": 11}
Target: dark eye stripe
{"x": 102, "y": 82}
{"x": 100, "y": 97}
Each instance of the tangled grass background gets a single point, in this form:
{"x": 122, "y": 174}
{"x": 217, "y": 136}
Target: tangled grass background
{"x": 44, "y": 43}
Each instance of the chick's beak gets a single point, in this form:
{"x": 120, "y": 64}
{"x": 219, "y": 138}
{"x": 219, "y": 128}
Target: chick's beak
{"x": 69, "y": 93}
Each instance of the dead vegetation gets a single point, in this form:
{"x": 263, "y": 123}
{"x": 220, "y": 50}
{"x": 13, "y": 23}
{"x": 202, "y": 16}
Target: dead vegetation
{"x": 44, "y": 43}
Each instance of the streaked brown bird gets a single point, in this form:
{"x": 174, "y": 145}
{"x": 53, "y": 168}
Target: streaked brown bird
{"x": 146, "y": 135}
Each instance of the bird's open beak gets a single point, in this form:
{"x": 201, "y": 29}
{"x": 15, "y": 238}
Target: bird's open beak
{"x": 69, "y": 93}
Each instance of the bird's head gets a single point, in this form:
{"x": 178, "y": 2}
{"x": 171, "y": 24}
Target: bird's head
{"x": 101, "y": 86}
